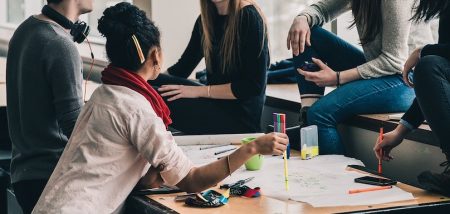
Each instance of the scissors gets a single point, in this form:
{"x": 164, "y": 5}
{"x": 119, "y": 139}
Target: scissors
{"x": 236, "y": 184}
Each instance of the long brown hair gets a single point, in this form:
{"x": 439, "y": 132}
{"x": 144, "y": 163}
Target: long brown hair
{"x": 429, "y": 9}
{"x": 367, "y": 14}
{"x": 229, "y": 46}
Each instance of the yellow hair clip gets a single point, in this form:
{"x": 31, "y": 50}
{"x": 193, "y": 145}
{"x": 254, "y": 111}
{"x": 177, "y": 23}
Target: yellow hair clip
{"x": 138, "y": 47}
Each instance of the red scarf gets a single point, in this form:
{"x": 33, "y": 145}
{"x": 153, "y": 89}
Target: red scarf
{"x": 118, "y": 76}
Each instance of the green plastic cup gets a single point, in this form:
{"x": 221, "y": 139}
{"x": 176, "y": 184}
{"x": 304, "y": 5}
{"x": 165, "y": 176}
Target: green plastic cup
{"x": 255, "y": 162}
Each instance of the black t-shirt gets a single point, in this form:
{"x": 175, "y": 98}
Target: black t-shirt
{"x": 248, "y": 81}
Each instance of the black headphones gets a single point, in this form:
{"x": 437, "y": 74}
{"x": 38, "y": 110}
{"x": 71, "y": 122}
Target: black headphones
{"x": 79, "y": 30}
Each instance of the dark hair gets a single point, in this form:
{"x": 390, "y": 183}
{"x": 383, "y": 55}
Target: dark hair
{"x": 367, "y": 14}
{"x": 429, "y": 9}
{"x": 54, "y": 1}
{"x": 118, "y": 24}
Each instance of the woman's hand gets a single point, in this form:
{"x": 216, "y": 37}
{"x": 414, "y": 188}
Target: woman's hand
{"x": 182, "y": 91}
{"x": 390, "y": 140}
{"x": 410, "y": 64}
{"x": 325, "y": 77}
{"x": 299, "y": 34}
{"x": 271, "y": 144}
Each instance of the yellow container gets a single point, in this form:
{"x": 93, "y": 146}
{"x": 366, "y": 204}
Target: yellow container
{"x": 309, "y": 142}
{"x": 309, "y": 152}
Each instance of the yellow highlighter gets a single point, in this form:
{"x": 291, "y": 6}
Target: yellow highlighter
{"x": 286, "y": 179}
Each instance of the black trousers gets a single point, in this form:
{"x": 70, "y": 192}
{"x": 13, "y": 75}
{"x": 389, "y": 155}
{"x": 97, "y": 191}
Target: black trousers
{"x": 201, "y": 115}
{"x": 28, "y": 192}
{"x": 432, "y": 87}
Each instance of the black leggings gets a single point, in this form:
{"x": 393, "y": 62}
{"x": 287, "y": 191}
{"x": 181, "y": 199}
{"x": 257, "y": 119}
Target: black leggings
{"x": 201, "y": 115}
{"x": 432, "y": 86}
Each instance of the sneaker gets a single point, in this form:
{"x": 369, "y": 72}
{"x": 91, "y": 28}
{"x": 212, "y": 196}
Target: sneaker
{"x": 287, "y": 63}
{"x": 437, "y": 182}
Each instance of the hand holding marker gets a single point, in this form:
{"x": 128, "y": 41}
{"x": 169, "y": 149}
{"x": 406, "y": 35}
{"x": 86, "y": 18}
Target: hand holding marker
{"x": 380, "y": 164}
{"x": 280, "y": 126}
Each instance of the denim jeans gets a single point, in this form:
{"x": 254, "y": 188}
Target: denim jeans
{"x": 432, "y": 86}
{"x": 365, "y": 96}
{"x": 28, "y": 192}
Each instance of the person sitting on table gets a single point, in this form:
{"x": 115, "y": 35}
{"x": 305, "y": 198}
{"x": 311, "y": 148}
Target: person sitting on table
{"x": 432, "y": 86}
{"x": 367, "y": 81}
{"x": 121, "y": 133}
{"x": 232, "y": 37}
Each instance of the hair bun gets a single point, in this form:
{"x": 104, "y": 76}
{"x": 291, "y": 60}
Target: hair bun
{"x": 121, "y": 20}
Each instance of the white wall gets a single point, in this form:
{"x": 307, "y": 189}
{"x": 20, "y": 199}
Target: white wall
{"x": 175, "y": 19}
{"x": 349, "y": 35}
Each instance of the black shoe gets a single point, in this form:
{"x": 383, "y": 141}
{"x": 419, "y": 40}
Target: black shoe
{"x": 437, "y": 182}
{"x": 281, "y": 64}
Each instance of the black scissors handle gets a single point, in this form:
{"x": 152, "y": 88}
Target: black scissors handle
{"x": 238, "y": 183}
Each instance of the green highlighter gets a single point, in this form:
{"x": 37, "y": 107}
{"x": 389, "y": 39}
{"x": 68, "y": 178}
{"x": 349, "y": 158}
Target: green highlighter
{"x": 255, "y": 162}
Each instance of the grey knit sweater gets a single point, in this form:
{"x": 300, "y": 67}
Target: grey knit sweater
{"x": 387, "y": 54}
{"x": 44, "y": 95}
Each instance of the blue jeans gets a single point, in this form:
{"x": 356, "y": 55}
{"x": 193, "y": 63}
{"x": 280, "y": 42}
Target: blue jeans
{"x": 366, "y": 96}
{"x": 432, "y": 86}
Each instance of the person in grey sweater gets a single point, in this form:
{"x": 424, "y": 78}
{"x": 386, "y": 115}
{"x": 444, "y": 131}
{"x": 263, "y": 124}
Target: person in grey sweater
{"x": 368, "y": 81}
{"x": 44, "y": 96}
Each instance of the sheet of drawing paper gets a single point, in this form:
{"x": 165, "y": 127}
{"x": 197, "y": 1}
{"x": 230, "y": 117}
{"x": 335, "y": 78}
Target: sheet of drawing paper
{"x": 212, "y": 139}
{"x": 201, "y": 157}
{"x": 322, "y": 181}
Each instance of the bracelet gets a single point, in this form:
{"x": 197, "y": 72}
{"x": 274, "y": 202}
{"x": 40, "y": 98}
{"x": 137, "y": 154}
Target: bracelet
{"x": 228, "y": 164}
{"x": 209, "y": 91}
{"x": 338, "y": 79}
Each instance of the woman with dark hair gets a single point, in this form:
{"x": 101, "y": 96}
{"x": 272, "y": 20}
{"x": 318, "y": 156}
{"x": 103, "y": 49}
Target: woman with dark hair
{"x": 431, "y": 82}
{"x": 121, "y": 135}
{"x": 231, "y": 35}
{"x": 367, "y": 81}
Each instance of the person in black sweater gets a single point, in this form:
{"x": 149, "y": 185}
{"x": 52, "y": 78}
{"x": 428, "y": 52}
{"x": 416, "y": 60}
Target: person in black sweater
{"x": 431, "y": 82}
{"x": 232, "y": 37}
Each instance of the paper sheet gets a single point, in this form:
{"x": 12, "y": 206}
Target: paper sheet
{"x": 200, "y": 157}
{"x": 321, "y": 182}
{"x": 212, "y": 139}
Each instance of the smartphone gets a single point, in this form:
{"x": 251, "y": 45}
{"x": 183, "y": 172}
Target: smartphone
{"x": 375, "y": 181}
{"x": 310, "y": 66}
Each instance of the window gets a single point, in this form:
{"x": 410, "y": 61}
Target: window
{"x": 16, "y": 11}
{"x": 99, "y": 7}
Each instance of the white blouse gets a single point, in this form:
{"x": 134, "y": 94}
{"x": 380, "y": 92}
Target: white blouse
{"x": 116, "y": 139}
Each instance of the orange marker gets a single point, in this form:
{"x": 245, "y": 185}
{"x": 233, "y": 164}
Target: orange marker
{"x": 353, "y": 191}
{"x": 380, "y": 164}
